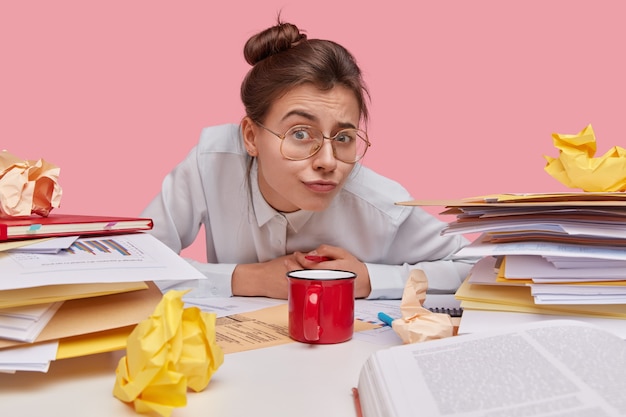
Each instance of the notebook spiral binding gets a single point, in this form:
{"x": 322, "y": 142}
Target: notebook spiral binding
{"x": 453, "y": 312}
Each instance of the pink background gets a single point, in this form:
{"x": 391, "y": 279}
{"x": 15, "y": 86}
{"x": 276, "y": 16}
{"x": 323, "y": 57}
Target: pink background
{"x": 465, "y": 94}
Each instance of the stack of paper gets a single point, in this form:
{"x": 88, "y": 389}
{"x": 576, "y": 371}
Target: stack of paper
{"x": 26, "y": 322}
{"x": 553, "y": 254}
{"x": 86, "y": 297}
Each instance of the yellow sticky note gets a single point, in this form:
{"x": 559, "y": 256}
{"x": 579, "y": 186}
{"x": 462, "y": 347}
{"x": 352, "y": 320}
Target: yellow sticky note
{"x": 577, "y": 167}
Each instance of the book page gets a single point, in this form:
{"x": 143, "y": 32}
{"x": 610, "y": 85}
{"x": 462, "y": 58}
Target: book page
{"x": 535, "y": 370}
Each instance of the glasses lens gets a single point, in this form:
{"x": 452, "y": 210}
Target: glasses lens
{"x": 350, "y": 145}
{"x": 301, "y": 142}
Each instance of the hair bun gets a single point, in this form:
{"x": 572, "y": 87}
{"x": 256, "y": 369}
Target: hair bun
{"x": 272, "y": 41}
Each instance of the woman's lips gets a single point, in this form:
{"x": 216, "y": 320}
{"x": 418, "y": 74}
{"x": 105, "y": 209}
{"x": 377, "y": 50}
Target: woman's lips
{"x": 321, "y": 186}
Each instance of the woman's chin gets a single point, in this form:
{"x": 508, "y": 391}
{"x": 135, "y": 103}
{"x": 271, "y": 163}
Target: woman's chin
{"x": 319, "y": 205}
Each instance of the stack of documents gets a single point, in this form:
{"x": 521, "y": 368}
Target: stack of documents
{"x": 78, "y": 295}
{"x": 26, "y": 322}
{"x": 543, "y": 254}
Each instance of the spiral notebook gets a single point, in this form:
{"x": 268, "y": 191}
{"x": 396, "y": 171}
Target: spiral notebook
{"x": 367, "y": 310}
{"x": 444, "y": 303}
{"x": 453, "y": 312}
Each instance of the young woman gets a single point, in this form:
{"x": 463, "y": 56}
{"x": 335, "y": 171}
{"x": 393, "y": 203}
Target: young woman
{"x": 284, "y": 190}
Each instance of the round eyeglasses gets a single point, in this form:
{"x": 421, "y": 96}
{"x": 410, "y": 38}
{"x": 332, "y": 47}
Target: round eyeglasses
{"x": 302, "y": 142}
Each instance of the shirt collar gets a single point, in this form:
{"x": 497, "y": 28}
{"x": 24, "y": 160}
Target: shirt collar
{"x": 264, "y": 212}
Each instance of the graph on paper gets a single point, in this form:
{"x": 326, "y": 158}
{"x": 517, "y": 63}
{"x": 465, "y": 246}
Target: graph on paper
{"x": 120, "y": 258}
{"x": 89, "y": 252}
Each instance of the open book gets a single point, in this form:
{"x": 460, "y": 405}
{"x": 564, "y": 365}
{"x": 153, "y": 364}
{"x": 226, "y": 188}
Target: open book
{"x": 549, "y": 368}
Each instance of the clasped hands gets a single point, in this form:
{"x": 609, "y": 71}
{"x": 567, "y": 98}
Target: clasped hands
{"x": 269, "y": 279}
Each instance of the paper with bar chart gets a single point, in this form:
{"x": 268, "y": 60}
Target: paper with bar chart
{"x": 119, "y": 258}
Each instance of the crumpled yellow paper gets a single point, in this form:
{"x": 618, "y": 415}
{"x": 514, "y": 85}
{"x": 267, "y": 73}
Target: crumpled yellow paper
{"x": 174, "y": 349}
{"x": 418, "y": 324}
{"x": 576, "y": 166}
{"x": 28, "y": 187}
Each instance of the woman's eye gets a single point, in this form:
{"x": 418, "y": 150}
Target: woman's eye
{"x": 301, "y": 134}
{"x": 344, "y": 137}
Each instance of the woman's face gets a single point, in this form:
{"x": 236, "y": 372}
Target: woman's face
{"x": 312, "y": 183}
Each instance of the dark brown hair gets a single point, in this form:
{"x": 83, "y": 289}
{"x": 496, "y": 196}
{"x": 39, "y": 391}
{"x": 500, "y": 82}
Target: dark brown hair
{"x": 282, "y": 57}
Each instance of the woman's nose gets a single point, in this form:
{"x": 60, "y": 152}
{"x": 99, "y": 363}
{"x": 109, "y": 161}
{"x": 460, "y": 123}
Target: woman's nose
{"x": 325, "y": 157}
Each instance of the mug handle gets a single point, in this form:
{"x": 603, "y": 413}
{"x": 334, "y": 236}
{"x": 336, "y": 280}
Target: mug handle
{"x": 311, "y": 312}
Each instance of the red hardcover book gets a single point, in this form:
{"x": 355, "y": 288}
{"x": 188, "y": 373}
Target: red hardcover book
{"x": 55, "y": 225}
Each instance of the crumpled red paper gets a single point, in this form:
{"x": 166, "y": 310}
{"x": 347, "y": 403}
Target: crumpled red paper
{"x": 418, "y": 324}
{"x": 171, "y": 351}
{"x": 28, "y": 187}
{"x": 576, "y": 166}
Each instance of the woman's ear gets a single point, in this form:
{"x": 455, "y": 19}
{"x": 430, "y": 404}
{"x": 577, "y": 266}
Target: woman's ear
{"x": 249, "y": 132}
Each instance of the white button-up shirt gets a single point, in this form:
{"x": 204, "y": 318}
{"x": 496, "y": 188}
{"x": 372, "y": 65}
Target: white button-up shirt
{"x": 211, "y": 188}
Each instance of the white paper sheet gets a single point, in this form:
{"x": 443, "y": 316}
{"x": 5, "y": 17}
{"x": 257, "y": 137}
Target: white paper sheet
{"x": 117, "y": 258}
{"x": 25, "y": 323}
{"x": 28, "y": 358}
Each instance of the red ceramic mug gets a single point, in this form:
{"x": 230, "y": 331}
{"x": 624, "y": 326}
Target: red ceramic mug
{"x": 321, "y": 305}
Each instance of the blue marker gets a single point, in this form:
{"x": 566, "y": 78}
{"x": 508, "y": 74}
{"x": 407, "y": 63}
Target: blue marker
{"x": 385, "y": 318}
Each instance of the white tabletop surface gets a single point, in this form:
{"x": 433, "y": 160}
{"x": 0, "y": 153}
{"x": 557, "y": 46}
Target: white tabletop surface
{"x": 294, "y": 379}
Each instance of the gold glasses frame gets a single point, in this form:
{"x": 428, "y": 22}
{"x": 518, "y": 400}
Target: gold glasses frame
{"x": 361, "y": 134}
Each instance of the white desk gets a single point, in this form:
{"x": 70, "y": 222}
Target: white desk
{"x": 295, "y": 379}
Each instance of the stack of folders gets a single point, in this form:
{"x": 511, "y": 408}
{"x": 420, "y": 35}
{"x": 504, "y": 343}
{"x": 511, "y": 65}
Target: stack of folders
{"x": 541, "y": 256}
{"x": 74, "y": 285}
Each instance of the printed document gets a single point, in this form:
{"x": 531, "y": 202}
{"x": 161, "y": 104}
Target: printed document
{"x": 116, "y": 258}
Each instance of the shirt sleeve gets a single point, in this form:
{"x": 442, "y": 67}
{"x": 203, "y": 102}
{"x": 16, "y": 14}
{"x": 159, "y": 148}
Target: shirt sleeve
{"x": 444, "y": 277}
{"x": 216, "y": 284}
{"x": 177, "y": 211}
{"x": 419, "y": 244}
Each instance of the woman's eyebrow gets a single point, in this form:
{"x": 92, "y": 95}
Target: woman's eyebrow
{"x": 314, "y": 119}
{"x": 346, "y": 125}
{"x": 301, "y": 113}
